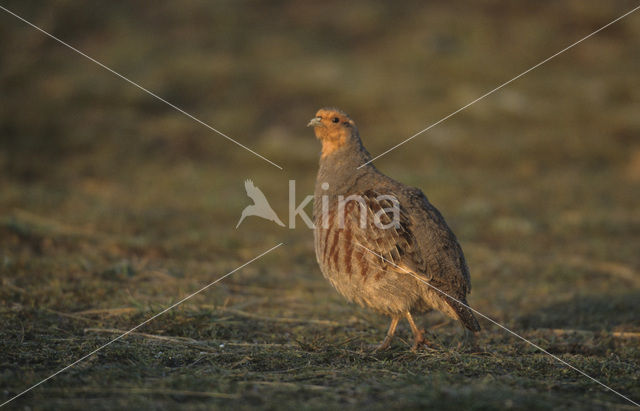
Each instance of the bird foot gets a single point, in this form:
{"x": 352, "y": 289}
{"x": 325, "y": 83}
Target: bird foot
{"x": 380, "y": 348}
{"x": 383, "y": 346}
{"x": 421, "y": 342}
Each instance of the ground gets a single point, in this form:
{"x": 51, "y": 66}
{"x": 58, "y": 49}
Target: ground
{"x": 113, "y": 206}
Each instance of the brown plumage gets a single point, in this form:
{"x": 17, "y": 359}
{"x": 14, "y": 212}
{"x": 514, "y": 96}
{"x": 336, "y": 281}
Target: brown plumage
{"x": 369, "y": 257}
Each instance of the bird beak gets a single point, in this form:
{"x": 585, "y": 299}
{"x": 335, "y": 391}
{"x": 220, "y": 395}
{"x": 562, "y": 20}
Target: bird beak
{"x": 315, "y": 122}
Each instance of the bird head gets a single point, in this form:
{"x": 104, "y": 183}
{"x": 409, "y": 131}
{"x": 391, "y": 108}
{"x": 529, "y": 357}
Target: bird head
{"x": 334, "y": 128}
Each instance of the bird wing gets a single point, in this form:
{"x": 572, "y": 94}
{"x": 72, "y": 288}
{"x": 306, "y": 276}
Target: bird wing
{"x": 254, "y": 193}
{"x": 419, "y": 242}
{"x": 440, "y": 247}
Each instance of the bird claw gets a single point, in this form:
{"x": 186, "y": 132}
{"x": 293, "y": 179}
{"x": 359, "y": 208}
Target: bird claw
{"x": 385, "y": 345}
{"x": 421, "y": 342}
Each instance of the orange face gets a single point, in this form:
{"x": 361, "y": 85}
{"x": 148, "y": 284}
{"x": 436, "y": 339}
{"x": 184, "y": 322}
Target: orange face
{"x": 333, "y": 128}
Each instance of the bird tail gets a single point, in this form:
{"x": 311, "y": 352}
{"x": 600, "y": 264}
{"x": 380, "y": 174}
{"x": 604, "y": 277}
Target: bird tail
{"x": 465, "y": 315}
{"x": 277, "y": 220}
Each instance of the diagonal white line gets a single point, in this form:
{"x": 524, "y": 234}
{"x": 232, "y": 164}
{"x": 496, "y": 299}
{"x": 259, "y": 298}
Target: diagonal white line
{"x": 502, "y": 326}
{"x": 140, "y": 87}
{"x": 140, "y": 325}
{"x": 499, "y": 87}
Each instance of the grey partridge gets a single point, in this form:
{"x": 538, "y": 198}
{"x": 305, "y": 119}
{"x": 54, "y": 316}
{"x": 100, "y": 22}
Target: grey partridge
{"x": 386, "y": 247}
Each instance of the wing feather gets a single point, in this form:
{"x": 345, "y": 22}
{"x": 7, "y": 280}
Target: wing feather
{"x": 419, "y": 241}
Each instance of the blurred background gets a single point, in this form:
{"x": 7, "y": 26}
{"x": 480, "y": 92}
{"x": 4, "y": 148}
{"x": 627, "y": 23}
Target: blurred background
{"x": 113, "y": 205}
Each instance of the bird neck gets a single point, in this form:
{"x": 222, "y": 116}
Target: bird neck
{"x": 342, "y": 167}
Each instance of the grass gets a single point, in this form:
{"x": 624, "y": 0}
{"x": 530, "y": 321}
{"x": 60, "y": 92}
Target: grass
{"x": 113, "y": 206}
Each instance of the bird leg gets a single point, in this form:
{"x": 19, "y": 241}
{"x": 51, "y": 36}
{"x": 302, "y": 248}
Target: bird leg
{"x": 392, "y": 329}
{"x": 418, "y": 336}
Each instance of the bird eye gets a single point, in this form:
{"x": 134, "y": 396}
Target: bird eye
{"x": 336, "y": 120}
